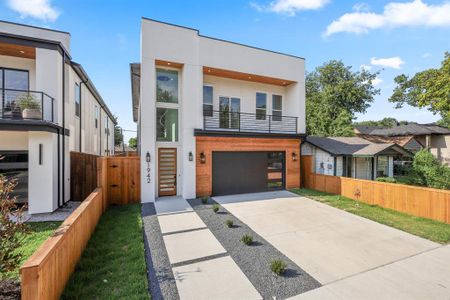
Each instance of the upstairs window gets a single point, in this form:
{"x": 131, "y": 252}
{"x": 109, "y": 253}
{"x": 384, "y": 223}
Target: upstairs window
{"x": 166, "y": 86}
{"x": 96, "y": 116}
{"x": 14, "y": 79}
{"x": 261, "y": 106}
{"x": 277, "y": 107}
{"x": 77, "y": 100}
{"x": 106, "y": 125}
{"x": 207, "y": 101}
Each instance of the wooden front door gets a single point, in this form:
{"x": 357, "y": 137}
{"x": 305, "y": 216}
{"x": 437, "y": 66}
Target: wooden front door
{"x": 167, "y": 171}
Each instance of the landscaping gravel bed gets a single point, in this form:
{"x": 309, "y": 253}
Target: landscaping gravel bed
{"x": 161, "y": 280}
{"x": 255, "y": 260}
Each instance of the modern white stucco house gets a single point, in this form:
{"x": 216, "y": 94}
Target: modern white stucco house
{"x": 49, "y": 107}
{"x": 210, "y": 110}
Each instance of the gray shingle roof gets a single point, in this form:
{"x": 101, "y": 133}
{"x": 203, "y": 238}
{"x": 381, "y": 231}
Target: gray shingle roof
{"x": 365, "y": 129}
{"x": 349, "y": 145}
{"x": 410, "y": 129}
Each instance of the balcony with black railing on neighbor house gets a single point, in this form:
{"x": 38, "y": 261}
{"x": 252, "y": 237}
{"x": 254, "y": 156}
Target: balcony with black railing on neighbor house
{"x": 26, "y": 105}
{"x": 248, "y": 122}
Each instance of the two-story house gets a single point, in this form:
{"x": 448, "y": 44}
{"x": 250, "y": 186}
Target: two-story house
{"x": 215, "y": 117}
{"x": 48, "y": 107}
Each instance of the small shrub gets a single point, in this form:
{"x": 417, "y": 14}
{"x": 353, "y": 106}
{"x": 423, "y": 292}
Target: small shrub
{"x": 278, "y": 267}
{"x": 247, "y": 239}
{"x": 205, "y": 200}
{"x": 215, "y": 208}
{"x": 386, "y": 179}
{"x": 229, "y": 223}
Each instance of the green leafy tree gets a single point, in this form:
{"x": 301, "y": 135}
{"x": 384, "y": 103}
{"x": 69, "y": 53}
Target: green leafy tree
{"x": 118, "y": 136}
{"x": 132, "y": 142}
{"x": 385, "y": 122}
{"x": 427, "y": 89}
{"x": 334, "y": 93}
{"x": 429, "y": 171}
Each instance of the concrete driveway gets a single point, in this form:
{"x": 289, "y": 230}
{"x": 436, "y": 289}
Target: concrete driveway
{"x": 351, "y": 256}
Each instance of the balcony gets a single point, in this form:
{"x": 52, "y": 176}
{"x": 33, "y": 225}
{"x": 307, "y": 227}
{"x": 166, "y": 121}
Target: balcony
{"x": 248, "y": 122}
{"x": 26, "y": 105}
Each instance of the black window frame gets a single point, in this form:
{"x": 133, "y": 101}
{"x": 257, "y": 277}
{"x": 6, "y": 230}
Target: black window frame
{"x": 208, "y": 107}
{"x": 3, "y": 69}
{"x": 261, "y": 112}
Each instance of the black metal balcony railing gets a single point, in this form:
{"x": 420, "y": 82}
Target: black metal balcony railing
{"x": 26, "y": 105}
{"x": 248, "y": 122}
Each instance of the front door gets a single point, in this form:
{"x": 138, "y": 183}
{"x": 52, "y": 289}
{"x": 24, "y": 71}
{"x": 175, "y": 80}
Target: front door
{"x": 167, "y": 171}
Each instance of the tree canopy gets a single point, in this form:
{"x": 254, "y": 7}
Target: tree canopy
{"x": 385, "y": 122}
{"x": 334, "y": 93}
{"x": 132, "y": 142}
{"x": 427, "y": 89}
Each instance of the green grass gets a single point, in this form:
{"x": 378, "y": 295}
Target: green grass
{"x": 113, "y": 264}
{"x": 38, "y": 233}
{"x": 426, "y": 228}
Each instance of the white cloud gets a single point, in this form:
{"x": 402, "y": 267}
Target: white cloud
{"x": 395, "y": 14}
{"x": 290, "y": 7}
{"x": 365, "y": 67}
{"x": 377, "y": 81}
{"x": 361, "y": 7}
{"x": 38, "y": 9}
{"x": 391, "y": 62}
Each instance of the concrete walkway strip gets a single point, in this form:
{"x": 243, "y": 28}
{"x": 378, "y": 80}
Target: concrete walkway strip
{"x": 191, "y": 245}
{"x": 218, "y": 278}
{"x": 180, "y": 222}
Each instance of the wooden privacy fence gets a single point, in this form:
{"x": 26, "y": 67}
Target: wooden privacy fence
{"x": 418, "y": 201}
{"x": 120, "y": 178}
{"x": 83, "y": 175}
{"x": 45, "y": 274}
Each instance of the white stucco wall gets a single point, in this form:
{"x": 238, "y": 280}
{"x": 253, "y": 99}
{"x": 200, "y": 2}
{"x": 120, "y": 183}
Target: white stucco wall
{"x": 13, "y": 140}
{"x": 165, "y": 42}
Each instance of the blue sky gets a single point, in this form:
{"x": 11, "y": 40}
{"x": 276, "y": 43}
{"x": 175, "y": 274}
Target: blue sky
{"x": 398, "y": 36}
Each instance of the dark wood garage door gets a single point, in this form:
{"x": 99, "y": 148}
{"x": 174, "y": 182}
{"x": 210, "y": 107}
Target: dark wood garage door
{"x": 247, "y": 172}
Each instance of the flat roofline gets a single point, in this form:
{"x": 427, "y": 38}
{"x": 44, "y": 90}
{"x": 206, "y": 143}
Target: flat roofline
{"x": 222, "y": 40}
{"x": 36, "y": 27}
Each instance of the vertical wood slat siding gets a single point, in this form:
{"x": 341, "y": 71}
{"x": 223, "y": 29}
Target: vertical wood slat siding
{"x": 45, "y": 274}
{"x": 120, "y": 176}
{"x": 83, "y": 175}
{"x": 207, "y": 145}
{"x": 418, "y": 201}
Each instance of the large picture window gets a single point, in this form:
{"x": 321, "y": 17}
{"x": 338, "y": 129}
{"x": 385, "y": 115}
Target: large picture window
{"x": 166, "y": 124}
{"x": 207, "y": 101}
{"x": 277, "y": 107}
{"x": 166, "y": 86}
{"x": 14, "y": 79}
{"x": 261, "y": 106}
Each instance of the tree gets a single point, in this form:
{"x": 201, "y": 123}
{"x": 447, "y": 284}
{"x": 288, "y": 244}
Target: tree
{"x": 429, "y": 88}
{"x": 334, "y": 93}
{"x": 385, "y": 122}
{"x": 118, "y": 137}
{"x": 132, "y": 142}
{"x": 429, "y": 171}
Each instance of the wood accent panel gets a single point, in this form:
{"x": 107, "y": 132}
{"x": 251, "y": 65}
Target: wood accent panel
{"x": 121, "y": 179}
{"x": 83, "y": 175}
{"x": 45, "y": 274}
{"x": 17, "y": 51}
{"x": 246, "y": 76}
{"x": 165, "y": 63}
{"x": 167, "y": 171}
{"x": 418, "y": 201}
{"x": 207, "y": 145}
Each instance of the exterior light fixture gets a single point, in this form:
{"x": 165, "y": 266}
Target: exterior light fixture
{"x": 168, "y": 63}
{"x": 202, "y": 158}
{"x": 294, "y": 156}
{"x": 147, "y": 157}
{"x": 191, "y": 156}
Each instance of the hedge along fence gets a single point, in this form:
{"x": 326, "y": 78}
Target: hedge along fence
{"x": 45, "y": 274}
{"x": 418, "y": 201}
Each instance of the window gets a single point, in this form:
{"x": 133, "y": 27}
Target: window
{"x": 277, "y": 107}
{"x": 382, "y": 166}
{"x": 166, "y": 86}
{"x": 106, "y": 125}
{"x": 230, "y": 108}
{"x": 77, "y": 100}
{"x": 97, "y": 115}
{"x": 14, "y": 79}
{"x": 261, "y": 106}
{"x": 207, "y": 101}
{"x": 166, "y": 124}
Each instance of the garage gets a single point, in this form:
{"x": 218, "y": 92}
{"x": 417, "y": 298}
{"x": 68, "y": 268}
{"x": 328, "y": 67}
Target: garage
{"x": 247, "y": 172}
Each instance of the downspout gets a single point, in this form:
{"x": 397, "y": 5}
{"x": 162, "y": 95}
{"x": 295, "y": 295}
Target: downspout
{"x": 100, "y": 128}
{"x": 81, "y": 109}
{"x": 64, "y": 128}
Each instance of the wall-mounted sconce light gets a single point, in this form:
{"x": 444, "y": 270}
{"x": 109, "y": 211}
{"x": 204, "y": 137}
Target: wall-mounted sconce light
{"x": 147, "y": 157}
{"x": 202, "y": 158}
{"x": 190, "y": 156}
{"x": 294, "y": 156}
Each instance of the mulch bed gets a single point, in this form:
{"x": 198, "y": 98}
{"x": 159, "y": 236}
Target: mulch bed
{"x": 9, "y": 289}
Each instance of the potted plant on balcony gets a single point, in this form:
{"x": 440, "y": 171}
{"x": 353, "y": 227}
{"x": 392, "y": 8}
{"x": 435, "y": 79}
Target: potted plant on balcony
{"x": 30, "y": 107}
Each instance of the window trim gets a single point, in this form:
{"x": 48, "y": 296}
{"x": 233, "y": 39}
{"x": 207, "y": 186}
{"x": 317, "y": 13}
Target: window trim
{"x": 278, "y": 110}
{"x": 178, "y": 83}
{"x": 256, "y": 102}
{"x": 212, "y": 100}
{"x": 96, "y": 115}
{"x": 3, "y": 69}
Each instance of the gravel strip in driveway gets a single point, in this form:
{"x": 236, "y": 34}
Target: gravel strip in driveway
{"x": 161, "y": 280}
{"x": 254, "y": 260}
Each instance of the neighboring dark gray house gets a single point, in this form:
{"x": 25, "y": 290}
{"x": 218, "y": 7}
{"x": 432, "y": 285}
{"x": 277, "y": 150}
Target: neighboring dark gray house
{"x": 352, "y": 156}
{"x": 412, "y": 137}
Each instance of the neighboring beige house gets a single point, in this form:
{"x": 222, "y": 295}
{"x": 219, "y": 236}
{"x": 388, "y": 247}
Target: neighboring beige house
{"x": 352, "y": 157}
{"x": 412, "y": 137}
{"x": 48, "y": 108}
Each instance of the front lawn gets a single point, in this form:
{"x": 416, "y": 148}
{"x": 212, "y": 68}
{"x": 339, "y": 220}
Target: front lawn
{"x": 426, "y": 228}
{"x": 38, "y": 233}
{"x": 113, "y": 264}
